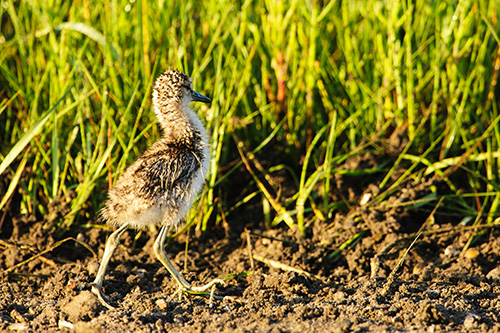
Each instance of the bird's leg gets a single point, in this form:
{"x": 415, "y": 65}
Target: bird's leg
{"x": 111, "y": 245}
{"x": 161, "y": 254}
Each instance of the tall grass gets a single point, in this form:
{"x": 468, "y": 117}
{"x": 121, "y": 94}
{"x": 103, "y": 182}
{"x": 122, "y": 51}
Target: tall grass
{"x": 299, "y": 85}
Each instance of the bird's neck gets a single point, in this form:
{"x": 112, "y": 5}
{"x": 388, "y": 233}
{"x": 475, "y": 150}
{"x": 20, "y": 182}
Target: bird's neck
{"x": 180, "y": 125}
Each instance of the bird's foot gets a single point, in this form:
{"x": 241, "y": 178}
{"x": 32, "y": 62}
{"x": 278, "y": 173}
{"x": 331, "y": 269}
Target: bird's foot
{"x": 209, "y": 285}
{"x": 97, "y": 290}
{"x": 202, "y": 290}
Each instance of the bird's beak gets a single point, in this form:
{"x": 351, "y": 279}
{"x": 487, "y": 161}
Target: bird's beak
{"x": 197, "y": 97}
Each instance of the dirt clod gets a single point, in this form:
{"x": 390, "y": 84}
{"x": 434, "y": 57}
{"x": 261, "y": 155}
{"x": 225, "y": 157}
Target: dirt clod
{"x": 84, "y": 306}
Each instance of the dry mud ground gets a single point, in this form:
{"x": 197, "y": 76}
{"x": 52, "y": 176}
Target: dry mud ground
{"x": 436, "y": 288}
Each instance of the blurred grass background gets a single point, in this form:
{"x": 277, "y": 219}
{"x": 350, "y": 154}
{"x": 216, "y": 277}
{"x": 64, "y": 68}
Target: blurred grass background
{"x": 298, "y": 87}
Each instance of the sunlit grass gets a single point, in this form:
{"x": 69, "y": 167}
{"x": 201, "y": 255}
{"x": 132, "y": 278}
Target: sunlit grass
{"x": 295, "y": 84}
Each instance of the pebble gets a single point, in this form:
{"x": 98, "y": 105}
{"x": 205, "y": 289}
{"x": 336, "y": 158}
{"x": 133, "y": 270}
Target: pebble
{"x": 494, "y": 273}
{"x": 161, "y": 304}
{"x": 470, "y": 321}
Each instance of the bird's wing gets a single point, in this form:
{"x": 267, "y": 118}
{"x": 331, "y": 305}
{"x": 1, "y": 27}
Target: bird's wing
{"x": 163, "y": 171}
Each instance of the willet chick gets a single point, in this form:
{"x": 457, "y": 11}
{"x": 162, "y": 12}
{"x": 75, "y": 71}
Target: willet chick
{"x": 159, "y": 187}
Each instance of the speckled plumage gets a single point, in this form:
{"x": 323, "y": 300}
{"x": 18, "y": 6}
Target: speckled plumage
{"x": 159, "y": 187}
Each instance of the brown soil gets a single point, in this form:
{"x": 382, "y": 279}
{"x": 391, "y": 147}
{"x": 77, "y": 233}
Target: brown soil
{"x": 436, "y": 288}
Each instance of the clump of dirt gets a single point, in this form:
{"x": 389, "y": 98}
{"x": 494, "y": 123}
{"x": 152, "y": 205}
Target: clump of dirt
{"x": 341, "y": 277}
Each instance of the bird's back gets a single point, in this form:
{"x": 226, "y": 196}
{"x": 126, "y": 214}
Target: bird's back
{"x": 159, "y": 186}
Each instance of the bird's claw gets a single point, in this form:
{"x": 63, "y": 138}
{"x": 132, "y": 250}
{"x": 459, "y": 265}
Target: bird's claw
{"x": 202, "y": 290}
{"x": 208, "y": 285}
{"x": 96, "y": 290}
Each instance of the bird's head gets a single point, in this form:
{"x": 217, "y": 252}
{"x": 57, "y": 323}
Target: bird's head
{"x": 173, "y": 88}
